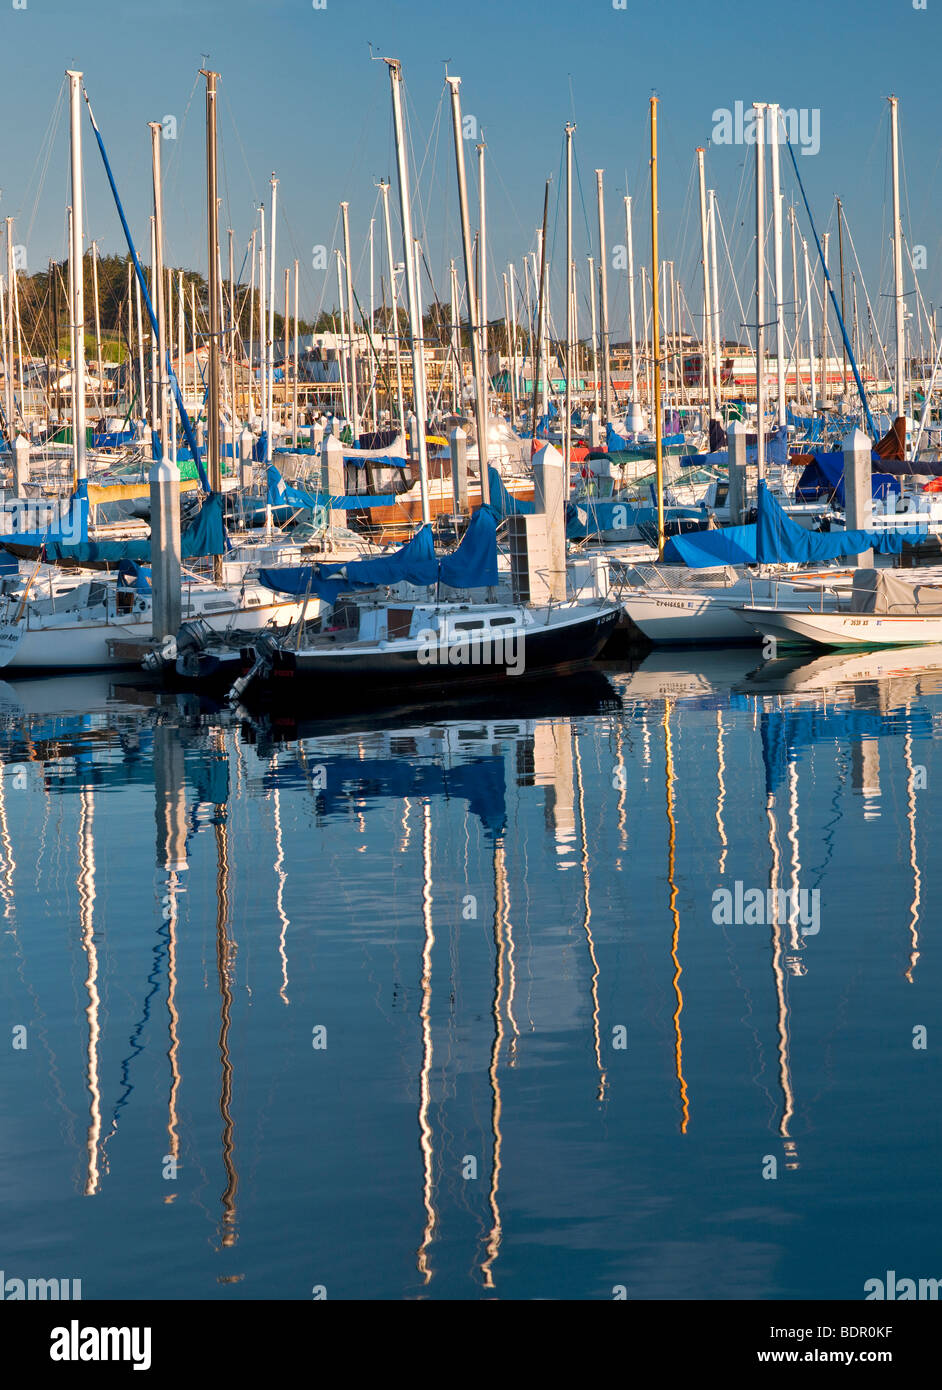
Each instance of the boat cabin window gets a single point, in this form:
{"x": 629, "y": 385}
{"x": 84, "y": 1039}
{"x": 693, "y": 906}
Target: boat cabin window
{"x": 398, "y": 622}
{"x": 470, "y": 626}
{"x": 502, "y": 622}
{"x": 97, "y": 594}
{"x": 722, "y": 493}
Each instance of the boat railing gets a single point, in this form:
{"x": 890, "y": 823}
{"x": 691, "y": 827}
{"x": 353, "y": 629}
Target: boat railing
{"x": 788, "y": 581}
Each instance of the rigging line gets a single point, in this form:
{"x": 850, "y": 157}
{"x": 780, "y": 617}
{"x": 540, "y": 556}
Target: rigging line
{"x": 49, "y": 140}
{"x": 864, "y": 287}
{"x": 850, "y": 351}
{"x": 221, "y": 87}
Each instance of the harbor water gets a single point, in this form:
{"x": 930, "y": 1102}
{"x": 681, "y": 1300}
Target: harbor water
{"x": 628, "y": 988}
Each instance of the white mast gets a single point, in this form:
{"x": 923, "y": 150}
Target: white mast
{"x": 595, "y": 340}
{"x": 419, "y": 403}
{"x": 478, "y": 367}
{"x": 631, "y": 301}
{"x": 777, "y": 260}
{"x": 384, "y": 189}
{"x": 603, "y": 297}
{"x": 567, "y": 425}
{"x": 160, "y": 305}
{"x": 341, "y": 355}
{"x": 270, "y": 345}
{"x": 707, "y": 312}
{"x": 513, "y": 350}
{"x": 714, "y": 275}
{"x": 760, "y": 108}
{"x": 351, "y": 320}
{"x": 898, "y": 263}
{"x": 482, "y": 276}
{"x": 375, "y": 365}
{"x": 78, "y": 285}
{"x": 811, "y": 380}
{"x": 797, "y": 299}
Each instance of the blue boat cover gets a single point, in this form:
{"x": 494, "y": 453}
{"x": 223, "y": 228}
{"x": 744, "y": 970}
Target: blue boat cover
{"x": 472, "y": 566}
{"x": 776, "y": 451}
{"x": 731, "y": 545}
{"x": 502, "y": 503}
{"x": 779, "y": 540}
{"x": 281, "y": 494}
{"x": 71, "y": 527}
{"x": 113, "y": 440}
{"x": 205, "y": 535}
{"x": 618, "y": 444}
{"x": 826, "y": 476}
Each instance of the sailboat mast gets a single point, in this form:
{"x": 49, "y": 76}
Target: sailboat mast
{"x": 707, "y": 315}
{"x": 160, "y": 303}
{"x": 595, "y": 341}
{"x": 603, "y": 298}
{"x": 811, "y": 381}
{"x": 629, "y": 245}
{"x": 419, "y": 395}
{"x": 384, "y": 189}
{"x": 567, "y": 426}
{"x": 777, "y": 263}
{"x": 759, "y": 108}
{"x": 270, "y": 343}
{"x": 655, "y": 333}
{"x": 80, "y": 463}
{"x": 482, "y": 277}
{"x": 897, "y": 262}
{"x": 352, "y": 368}
{"x": 215, "y": 325}
{"x": 477, "y": 366}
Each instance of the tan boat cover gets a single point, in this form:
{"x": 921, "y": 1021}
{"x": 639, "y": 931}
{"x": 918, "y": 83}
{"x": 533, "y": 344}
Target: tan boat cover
{"x": 881, "y": 591}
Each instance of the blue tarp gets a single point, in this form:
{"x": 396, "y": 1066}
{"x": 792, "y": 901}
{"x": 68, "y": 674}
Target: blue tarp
{"x": 472, "y": 566}
{"x": 776, "y": 451}
{"x": 502, "y": 503}
{"x": 205, "y": 535}
{"x": 779, "y": 540}
{"x": 617, "y": 444}
{"x": 732, "y": 545}
{"x": 113, "y": 440}
{"x": 72, "y": 526}
{"x": 384, "y": 460}
{"x": 825, "y": 477}
{"x": 134, "y": 576}
{"x": 281, "y": 494}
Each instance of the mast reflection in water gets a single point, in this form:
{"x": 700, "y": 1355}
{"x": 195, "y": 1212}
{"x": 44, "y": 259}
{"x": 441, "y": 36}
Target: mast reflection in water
{"x": 407, "y": 1006}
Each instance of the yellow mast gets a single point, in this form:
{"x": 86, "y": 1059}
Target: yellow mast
{"x": 655, "y": 331}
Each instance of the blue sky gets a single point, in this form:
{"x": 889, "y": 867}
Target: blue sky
{"x": 300, "y": 96}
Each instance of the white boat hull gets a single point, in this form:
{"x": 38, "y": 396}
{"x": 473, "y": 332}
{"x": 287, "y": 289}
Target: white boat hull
{"x": 86, "y": 645}
{"x": 843, "y": 629}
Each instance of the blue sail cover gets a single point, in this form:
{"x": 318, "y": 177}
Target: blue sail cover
{"x": 472, "y": 566}
{"x": 282, "y": 494}
{"x": 502, "y": 502}
{"x": 776, "y": 451}
{"x": 779, "y": 540}
{"x": 731, "y": 545}
{"x": 618, "y": 444}
{"x": 205, "y": 535}
{"x": 113, "y": 440}
{"x": 72, "y": 526}
{"x": 825, "y": 477}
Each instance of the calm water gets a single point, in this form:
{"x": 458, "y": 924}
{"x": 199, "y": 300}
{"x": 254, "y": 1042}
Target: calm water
{"x": 441, "y": 1010}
